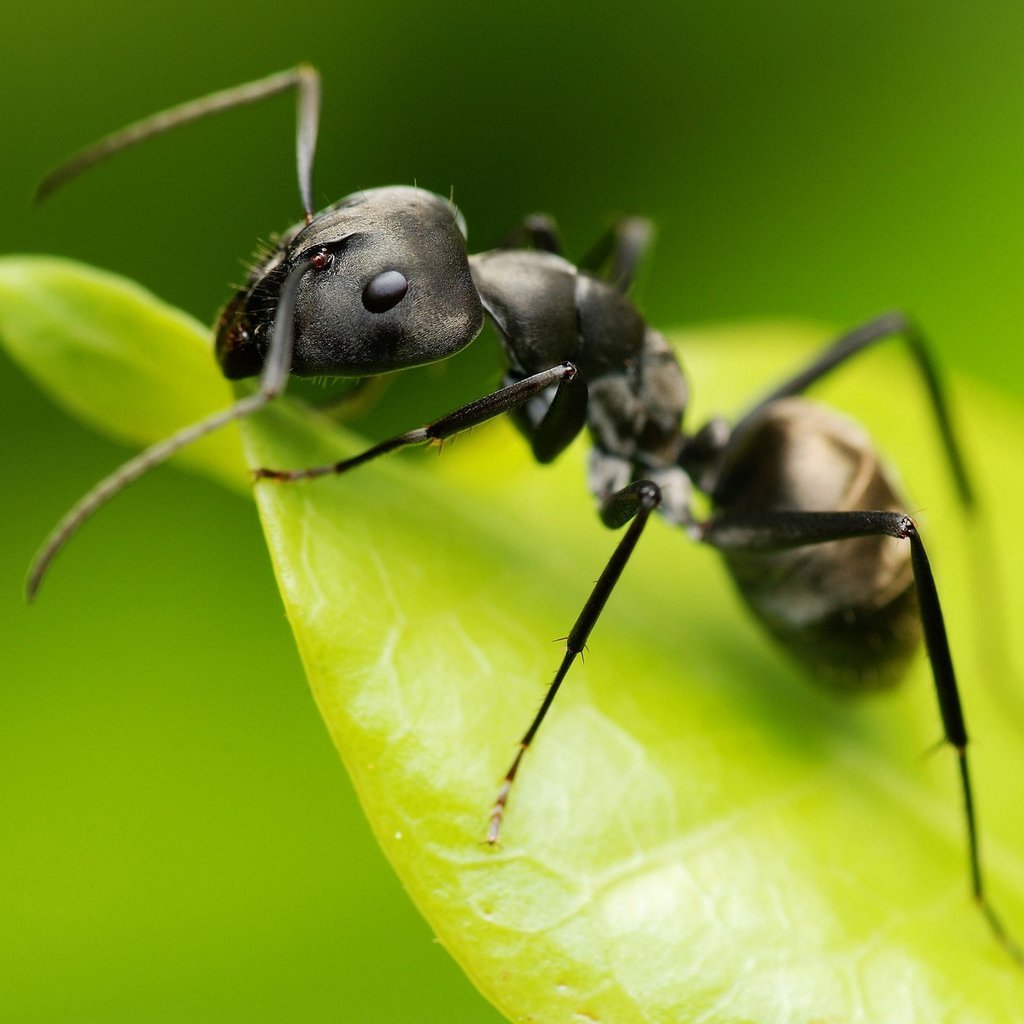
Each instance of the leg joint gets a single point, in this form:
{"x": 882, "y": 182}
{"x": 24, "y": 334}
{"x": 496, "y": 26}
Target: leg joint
{"x": 907, "y": 528}
{"x": 622, "y": 506}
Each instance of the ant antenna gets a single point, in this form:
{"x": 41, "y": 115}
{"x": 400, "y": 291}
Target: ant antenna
{"x": 272, "y": 382}
{"x": 304, "y": 78}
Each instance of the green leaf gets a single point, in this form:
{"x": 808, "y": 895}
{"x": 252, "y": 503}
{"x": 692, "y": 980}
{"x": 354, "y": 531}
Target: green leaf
{"x": 115, "y": 356}
{"x": 698, "y": 833}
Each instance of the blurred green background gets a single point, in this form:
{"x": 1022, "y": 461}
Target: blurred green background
{"x": 178, "y": 840}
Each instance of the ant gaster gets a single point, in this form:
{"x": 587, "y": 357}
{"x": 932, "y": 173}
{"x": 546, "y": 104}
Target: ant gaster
{"x": 802, "y": 511}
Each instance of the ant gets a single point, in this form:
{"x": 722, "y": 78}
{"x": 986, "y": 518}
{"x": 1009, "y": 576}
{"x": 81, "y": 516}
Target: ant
{"x": 804, "y": 515}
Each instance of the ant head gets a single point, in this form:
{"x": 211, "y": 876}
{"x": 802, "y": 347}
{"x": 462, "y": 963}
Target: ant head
{"x": 389, "y": 288}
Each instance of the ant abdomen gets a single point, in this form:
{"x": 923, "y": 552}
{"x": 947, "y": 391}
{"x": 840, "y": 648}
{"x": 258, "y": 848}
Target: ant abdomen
{"x": 847, "y": 609}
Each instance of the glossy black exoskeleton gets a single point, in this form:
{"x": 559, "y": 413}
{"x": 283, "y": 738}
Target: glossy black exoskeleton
{"x": 806, "y": 519}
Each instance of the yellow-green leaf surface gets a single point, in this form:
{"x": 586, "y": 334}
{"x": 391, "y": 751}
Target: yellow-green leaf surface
{"x": 698, "y": 834}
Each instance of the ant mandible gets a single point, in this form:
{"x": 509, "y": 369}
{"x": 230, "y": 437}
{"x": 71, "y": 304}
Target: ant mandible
{"x": 802, "y": 511}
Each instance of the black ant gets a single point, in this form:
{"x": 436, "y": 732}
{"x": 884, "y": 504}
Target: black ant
{"x": 801, "y": 509}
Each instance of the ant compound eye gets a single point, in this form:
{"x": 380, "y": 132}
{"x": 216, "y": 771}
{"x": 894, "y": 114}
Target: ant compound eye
{"x": 384, "y": 291}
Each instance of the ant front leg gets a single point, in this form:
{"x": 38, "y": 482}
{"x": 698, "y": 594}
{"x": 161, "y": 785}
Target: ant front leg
{"x": 634, "y": 502}
{"x": 504, "y": 400}
{"x": 779, "y": 531}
